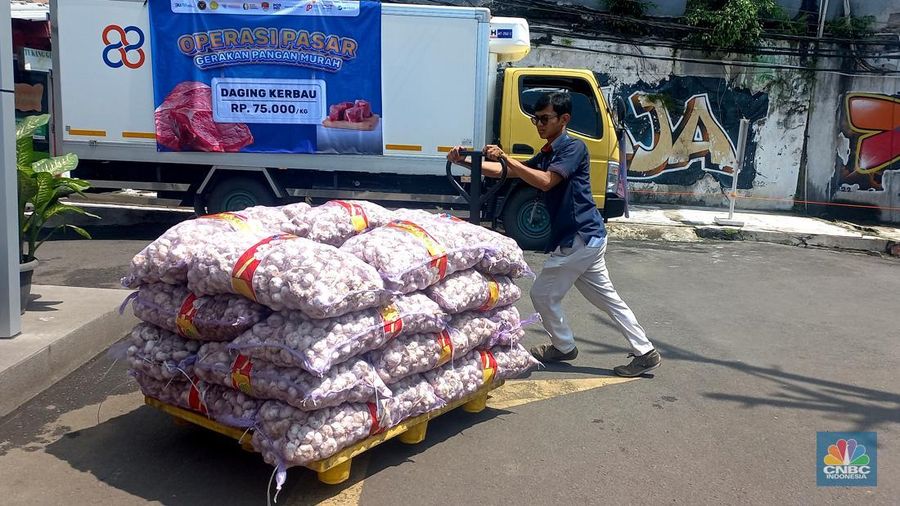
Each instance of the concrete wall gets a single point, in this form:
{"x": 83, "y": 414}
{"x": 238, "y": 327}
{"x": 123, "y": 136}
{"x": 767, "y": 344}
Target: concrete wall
{"x": 683, "y": 121}
{"x": 854, "y": 146}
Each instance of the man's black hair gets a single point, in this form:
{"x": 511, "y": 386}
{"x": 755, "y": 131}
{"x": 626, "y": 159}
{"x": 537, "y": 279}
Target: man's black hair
{"x": 561, "y": 102}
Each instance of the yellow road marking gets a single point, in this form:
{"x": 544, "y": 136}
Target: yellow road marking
{"x": 518, "y": 392}
{"x": 513, "y": 393}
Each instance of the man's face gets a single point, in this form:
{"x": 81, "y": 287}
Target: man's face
{"x": 549, "y": 124}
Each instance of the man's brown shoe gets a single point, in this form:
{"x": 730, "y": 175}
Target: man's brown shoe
{"x": 549, "y": 353}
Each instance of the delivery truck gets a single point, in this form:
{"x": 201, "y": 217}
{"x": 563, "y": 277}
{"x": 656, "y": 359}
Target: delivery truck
{"x": 229, "y": 104}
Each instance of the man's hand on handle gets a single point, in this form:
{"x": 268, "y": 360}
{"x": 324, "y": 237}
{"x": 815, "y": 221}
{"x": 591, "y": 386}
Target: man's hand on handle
{"x": 490, "y": 167}
{"x": 493, "y": 153}
{"x": 454, "y": 155}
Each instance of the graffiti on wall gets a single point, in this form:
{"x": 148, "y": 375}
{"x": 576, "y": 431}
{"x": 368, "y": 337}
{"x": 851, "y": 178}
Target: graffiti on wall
{"x": 697, "y": 137}
{"x": 872, "y": 126}
{"x": 867, "y": 170}
{"x": 684, "y": 128}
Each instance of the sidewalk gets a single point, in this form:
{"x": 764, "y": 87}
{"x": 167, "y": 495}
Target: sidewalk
{"x": 63, "y": 328}
{"x": 684, "y": 224}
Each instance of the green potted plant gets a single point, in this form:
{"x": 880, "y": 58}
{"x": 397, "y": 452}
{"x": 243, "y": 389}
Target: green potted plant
{"x": 41, "y": 188}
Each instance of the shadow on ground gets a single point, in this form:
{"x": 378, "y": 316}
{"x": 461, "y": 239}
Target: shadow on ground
{"x": 145, "y": 454}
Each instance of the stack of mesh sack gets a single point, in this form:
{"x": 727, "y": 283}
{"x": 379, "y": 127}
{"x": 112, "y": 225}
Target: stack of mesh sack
{"x": 321, "y": 326}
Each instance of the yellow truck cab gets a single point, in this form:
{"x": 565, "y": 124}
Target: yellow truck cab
{"x": 522, "y": 211}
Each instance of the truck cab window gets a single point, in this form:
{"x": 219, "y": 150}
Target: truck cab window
{"x": 585, "y": 110}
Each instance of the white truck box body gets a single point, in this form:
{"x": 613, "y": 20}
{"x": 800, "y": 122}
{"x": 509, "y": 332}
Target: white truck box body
{"x": 437, "y": 75}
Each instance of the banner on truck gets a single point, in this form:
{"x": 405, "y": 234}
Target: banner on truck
{"x": 267, "y": 77}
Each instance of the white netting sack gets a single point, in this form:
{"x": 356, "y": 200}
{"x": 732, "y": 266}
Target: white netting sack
{"x": 454, "y": 381}
{"x": 219, "y": 403}
{"x": 500, "y": 327}
{"x": 412, "y": 256}
{"x": 167, "y": 258}
{"x": 207, "y": 318}
{"x": 287, "y": 436}
{"x": 286, "y": 272}
{"x": 351, "y": 381}
{"x": 419, "y": 353}
{"x": 472, "y": 290}
{"x": 513, "y": 361}
{"x": 269, "y": 217}
{"x": 413, "y": 396}
{"x": 290, "y": 339}
{"x": 413, "y": 354}
{"x": 338, "y": 220}
{"x": 160, "y": 354}
{"x": 505, "y": 257}
{"x": 478, "y": 368}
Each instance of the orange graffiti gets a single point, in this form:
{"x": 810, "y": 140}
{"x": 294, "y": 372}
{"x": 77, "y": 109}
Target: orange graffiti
{"x": 874, "y": 122}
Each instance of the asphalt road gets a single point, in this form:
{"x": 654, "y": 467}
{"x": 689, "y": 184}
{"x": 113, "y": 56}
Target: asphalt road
{"x": 762, "y": 346}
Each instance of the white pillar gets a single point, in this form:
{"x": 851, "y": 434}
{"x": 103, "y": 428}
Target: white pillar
{"x": 10, "y": 319}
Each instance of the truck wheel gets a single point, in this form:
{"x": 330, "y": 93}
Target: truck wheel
{"x": 236, "y": 193}
{"x": 526, "y": 219}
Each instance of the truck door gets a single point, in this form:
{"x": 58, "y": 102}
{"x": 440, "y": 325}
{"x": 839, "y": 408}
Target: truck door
{"x": 590, "y": 122}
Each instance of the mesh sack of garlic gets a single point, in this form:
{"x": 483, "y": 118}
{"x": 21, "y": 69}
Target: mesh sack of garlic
{"x": 286, "y": 272}
{"x": 413, "y": 255}
{"x": 413, "y": 396}
{"x": 228, "y": 406}
{"x": 289, "y": 437}
{"x": 513, "y": 361}
{"x": 351, "y": 381}
{"x": 160, "y": 354}
{"x": 336, "y": 221}
{"x": 485, "y": 330}
{"x": 418, "y": 353}
{"x": 505, "y": 257}
{"x": 168, "y": 258}
{"x": 207, "y": 318}
{"x": 290, "y": 339}
{"x": 413, "y": 354}
{"x": 452, "y": 382}
{"x": 471, "y": 290}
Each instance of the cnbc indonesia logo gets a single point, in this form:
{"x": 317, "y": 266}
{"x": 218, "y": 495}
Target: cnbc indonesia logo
{"x": 847, "y": 461}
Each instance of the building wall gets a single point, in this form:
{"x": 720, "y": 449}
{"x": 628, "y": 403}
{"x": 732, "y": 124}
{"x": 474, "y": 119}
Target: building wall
{"x": 683, "y": 121}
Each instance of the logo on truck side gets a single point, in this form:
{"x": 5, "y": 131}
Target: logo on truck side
{"x": 130, "y": 53}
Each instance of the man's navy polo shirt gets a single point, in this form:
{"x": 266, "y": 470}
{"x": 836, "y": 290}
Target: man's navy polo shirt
{"x": 570, "y": 203}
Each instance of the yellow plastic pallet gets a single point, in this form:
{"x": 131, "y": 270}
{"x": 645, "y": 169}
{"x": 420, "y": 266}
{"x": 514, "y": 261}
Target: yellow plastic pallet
{"x": 336, "y": 469}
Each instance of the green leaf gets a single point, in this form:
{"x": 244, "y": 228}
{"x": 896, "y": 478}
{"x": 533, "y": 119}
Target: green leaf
{"x": 28, "y": 188}
{"x": 60, "y": 208}
{"x": 30, "y": 124}
{"x": 80, "y": 231}
{"x": 56, "y": 165}
{"x": 46, "y": 192}
{"x": 24, "y": 152}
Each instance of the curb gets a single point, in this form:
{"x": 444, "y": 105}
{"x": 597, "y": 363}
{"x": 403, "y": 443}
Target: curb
{"x": 845, "y": 243}
{"x": 694, "y": 233}
{"x": 37, "y": 368}
{"x": 117, "y": 215}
